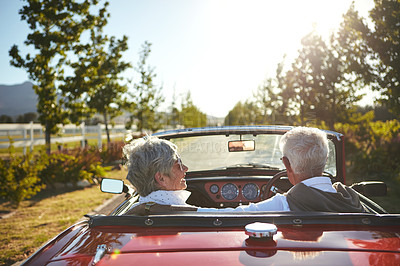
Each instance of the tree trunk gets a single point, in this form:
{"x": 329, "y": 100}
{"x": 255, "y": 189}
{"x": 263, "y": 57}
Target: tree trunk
{"x": 106, "y": 124}
{"x": 47, "y": 138}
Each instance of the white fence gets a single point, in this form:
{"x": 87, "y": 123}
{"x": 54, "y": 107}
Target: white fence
{"x": 30, "y": 135}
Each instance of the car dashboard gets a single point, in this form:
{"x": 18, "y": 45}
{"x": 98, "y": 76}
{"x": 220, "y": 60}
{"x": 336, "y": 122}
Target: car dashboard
{"x": 230, "y": 191}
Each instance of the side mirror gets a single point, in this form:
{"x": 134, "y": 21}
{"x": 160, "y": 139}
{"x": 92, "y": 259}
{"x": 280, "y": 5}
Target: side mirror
{"x": 371, "y": 188}
{"x": 241, "y": 145}
{"x": 109, "y": 185}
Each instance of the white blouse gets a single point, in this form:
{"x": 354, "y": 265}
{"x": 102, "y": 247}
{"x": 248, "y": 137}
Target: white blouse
{"x": 165, "y": 197}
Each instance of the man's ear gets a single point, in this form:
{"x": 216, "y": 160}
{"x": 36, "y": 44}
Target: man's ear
{"x": 286, "y": 162}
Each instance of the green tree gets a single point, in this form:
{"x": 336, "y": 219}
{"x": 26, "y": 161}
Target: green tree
{"x": 146, "y": 97}
{"x": 301, "y": 79}
{"x": 266, "y": 99}
{"x": 321, "y": 91}
{"x": 246, "y": 113}
{"x": 285, "y": 110}
{"x": 6, "y": 119}
{"x": 354, "y": 50}
{"x": 97, "y": 76}
{"x": 376, "y": 50}
{"x": 190, "y": 115}
{"x": 173, "y": 117}
{"x": 26, "y": 118}
{"x": 381, "y": 113}
{"x": 56, "y": 26}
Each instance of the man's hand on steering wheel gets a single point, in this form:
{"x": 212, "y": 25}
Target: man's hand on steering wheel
{"x": 267, "y": 192}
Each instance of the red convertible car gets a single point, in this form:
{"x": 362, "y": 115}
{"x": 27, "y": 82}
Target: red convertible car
{"x": 229, "y": 166}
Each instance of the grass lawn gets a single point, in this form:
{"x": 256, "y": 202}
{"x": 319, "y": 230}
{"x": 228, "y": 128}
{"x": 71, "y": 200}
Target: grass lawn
{"x": 44, "y": 216}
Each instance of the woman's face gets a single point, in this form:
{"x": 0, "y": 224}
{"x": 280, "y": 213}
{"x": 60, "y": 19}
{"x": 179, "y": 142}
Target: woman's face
{"x": 176, "y": 179}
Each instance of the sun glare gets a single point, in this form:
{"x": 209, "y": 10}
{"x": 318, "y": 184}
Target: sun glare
{"x": 243, "y": 42}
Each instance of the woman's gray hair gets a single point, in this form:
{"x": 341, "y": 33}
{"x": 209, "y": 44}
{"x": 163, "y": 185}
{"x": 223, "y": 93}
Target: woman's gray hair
{"x": 306, "y": 149}
{"x": 145, "y": 157}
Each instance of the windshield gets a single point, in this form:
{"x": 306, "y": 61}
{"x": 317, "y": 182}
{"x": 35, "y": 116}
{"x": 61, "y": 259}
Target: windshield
{"x": 211, "y": 152}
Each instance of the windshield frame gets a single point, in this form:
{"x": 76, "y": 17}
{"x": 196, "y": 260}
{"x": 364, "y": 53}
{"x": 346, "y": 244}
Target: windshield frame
{"x": 336, "y": 138}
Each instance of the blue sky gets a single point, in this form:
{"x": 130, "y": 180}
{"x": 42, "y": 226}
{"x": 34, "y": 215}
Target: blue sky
{"x": 219, "y": 50}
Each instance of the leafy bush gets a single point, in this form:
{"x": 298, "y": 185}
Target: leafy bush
{"x": 112, "y": 152}
{"x": 71, "y": 167}
{"x": 19, "y": 177}
{"x": 373, "y": 148}
{"x": 54, "y": 171}
{"x": 90, "y": 162}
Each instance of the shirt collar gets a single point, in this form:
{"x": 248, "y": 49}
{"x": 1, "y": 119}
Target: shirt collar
{"x": 323, "y": 183}
{"x": 317, "y": 180}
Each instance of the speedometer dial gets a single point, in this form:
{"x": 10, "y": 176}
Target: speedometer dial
{"x": 229, "y": 191}
{"x": 250, "y": 191}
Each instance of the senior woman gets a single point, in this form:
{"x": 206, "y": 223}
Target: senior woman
{"x": 156, "y": 171}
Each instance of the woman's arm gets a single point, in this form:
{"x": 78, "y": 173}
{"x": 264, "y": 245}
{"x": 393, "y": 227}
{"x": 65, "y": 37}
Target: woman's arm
{"x": 154, "y": 208}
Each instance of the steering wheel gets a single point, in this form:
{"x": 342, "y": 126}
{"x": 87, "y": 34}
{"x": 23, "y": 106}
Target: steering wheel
{"x": 267, "y": 193}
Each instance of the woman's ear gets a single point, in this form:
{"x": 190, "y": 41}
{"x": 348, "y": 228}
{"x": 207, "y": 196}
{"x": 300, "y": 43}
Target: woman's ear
{"x": 160, "y": 179}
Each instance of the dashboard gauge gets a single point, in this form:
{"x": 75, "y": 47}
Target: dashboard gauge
{"x": 229, "y": 191}
{"x": 214, "y": 189}
{"x": 250, "y": 191}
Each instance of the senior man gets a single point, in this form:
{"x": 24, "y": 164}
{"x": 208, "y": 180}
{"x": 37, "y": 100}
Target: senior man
{"x": 305, "y": 152}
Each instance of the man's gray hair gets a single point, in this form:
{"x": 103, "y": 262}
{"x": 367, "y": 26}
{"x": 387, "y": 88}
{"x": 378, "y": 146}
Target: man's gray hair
{"x": 145, "y": 157}
{"x": 306, "y": 149}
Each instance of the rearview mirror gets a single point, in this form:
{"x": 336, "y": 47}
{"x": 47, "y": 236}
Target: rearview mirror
{"x": 241, "y": 145}
{"x": 109, "y": 185}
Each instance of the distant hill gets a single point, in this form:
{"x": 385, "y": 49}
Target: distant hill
{"x": 17, "y": 99}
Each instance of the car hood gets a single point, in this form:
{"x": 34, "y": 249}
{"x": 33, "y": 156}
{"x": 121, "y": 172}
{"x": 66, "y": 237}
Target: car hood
{"x": 309, "y": 244}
